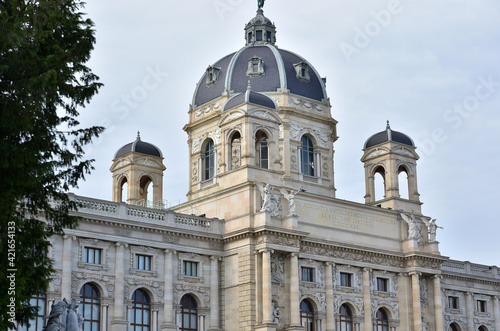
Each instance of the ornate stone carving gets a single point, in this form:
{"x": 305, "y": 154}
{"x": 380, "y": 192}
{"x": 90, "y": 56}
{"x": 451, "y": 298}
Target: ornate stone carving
{"x": 403, "y": 151}
{"x": 393, "y": 305}
{"x": 281, "y": 133}
{"x": 194, "y": 178}
{"x": 201, "y": 292}
{"x": 122, "y": 232}
{"x": 232, "y": 116}
{"x": 356, "y": 301}
{"x": 169, "y": 238}
{"x": 207, "y": 109}
{"x": 270, "y": 202}
{"x": 148, "y": 162}
{"x": 264, "y": 115}
{"x": 273, "y": 239}
{"x": 376, "y": 152}
{"x": 277, "y": 268}
{"x": 216, "y": 245}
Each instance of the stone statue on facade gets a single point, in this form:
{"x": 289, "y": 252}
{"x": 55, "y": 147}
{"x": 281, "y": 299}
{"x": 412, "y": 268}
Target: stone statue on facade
{"x": 269, "y": 201}
{"x": 265, "y": 194}
{"x": 276, "y": 314}
{"x": 290, "y": 196}
{"x": 432, "y": 226}
{"x": 414, "y": 229}
{"x": 64, "y": 317}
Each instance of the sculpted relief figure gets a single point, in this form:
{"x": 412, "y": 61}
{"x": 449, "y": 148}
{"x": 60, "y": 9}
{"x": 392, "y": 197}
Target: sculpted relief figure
{"x": 269, "y": 201}
{"x": 414, "y": 229}
{"x": 290, "y": 196}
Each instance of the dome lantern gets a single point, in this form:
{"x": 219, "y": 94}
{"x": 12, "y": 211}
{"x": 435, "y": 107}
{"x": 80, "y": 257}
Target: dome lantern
{"x": 260, "y": 30}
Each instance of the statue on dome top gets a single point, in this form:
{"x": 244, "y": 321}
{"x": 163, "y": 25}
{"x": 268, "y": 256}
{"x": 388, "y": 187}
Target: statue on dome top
{"x": 260, "y": 4}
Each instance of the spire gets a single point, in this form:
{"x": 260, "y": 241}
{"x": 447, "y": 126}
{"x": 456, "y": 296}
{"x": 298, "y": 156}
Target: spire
{"x": 389, "y": 131}
{"x": 138, "y": 136}
{"x": 249, "y": 86}
{"x": 388, "y": 127}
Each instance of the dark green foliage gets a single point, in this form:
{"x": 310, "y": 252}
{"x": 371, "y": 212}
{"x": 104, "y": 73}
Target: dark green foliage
{"x": 44, "y": 46}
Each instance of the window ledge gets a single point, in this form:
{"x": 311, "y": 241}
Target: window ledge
{"x": 191, "y": 279}
{"x": 143, "y": 273}
{"x": 93, "y": 266}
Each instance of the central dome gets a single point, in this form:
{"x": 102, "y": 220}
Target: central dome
{"x": 269, "y": 69}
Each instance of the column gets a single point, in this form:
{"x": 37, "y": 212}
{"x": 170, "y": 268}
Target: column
{"x": 438, "y": 306}
{"x": 267, "y": 312}
{"x": 367, "y": 303}
{"x": 202, "y": 323}
{"x": 258, "y": 285}
{"x": 66, "y": 267}
{"x": 417, "y": 309}
{"x": 104, "y": 319}
{"x": 294, "y": 290}
{"x": 330, "y": 313}
{"x": 214, "y": 292}
{"x": 119, "y": 322}
{"x": 496, "y": 312}
{"x": 168, "y": 304}
{"x": 155, "y": 320}
{"x": 469, "y": 307}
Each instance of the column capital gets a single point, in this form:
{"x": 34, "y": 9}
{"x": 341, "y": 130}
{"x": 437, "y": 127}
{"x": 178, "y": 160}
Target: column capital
{"x": 119, "y": 244}
{"x": 294, "y": 254}
{"x": 70, "y": 237}
{"x": 402, "y": 274}
{"x": 170, "y": 251}
{"x": 367, "y": 269}
{"x": 469, "y": 294}
{"x": 328, "y": 263}
{"x": 416, "y": 273}
{"x": 494, "y": 298}
{"x": 216, "y": 257}
{"x": 266, "y": 250}
{"x": 439, "y": 277}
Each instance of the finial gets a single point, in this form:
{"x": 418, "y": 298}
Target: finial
{"x": 388, "y": 127}
{"x": 249, "y": 86}
{"x": 138, "y": 135}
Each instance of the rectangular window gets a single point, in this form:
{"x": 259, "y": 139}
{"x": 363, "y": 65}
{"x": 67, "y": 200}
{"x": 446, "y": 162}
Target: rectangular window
{"x": 453, "y": 302}
{"x": 259, "y": 35}
{"x": 307, "y": 274}
{"x": 481, "y": 306}
{"x": 190, "y": 268}
{"x": 345, "y": 279}
{"x": 92, "y": 255}
{"x": 143, "y": 262}
{"x": 382, "y": 284}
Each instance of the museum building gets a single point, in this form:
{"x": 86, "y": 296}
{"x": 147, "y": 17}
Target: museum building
{"x": 262, "y": 243}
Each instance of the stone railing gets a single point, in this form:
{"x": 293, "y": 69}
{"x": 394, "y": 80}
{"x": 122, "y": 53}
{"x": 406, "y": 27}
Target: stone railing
{"x": 468, "y": 268}
{"x": 193, "y": 221}
{"x": 121, "y": 210}
{"x": 92, "y": 204}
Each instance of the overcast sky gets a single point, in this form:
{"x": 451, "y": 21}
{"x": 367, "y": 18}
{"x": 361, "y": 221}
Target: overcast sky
{"x": 431, "y": 68}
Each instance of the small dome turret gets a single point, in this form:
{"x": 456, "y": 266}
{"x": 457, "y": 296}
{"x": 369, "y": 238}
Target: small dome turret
{"x": 260, "y": 30}
{"x": 388, "y": 135}
{"x": 139, "y": 146}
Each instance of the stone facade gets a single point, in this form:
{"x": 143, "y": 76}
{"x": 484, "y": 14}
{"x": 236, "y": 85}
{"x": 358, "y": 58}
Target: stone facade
{"x": 272, "y": 247}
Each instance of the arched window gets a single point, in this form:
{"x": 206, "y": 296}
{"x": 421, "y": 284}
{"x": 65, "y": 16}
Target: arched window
{"x": 345, "y": 318}
{"x": 379, "y": 183}
{"x": 38, "y": 321}
{"x": 208, "y": 159}
{"x": 146, "y": 189}
{"x": 123, "y": 190}
{"x": 307, "y": 315}
{"x": 482, "y": 328}
{"x": 262, "y": 150}
{"x": 140, "y": 312}
{"x": 454, "y": 327}
{"x": 89, "y": 307}
{"x": 235, "y": 150}
{"x": 306, "y": 156}
{"x": 382, "y": 320}
{"x": 404, "y": 191}
{"x": 189, "y": 313}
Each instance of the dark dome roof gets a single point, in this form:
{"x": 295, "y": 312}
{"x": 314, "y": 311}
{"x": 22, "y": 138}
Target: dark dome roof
{"x": 279, "y": 71}
{"x": 389, "y": 135}
{"x": 251, "y": 97}
{"x": 139, "y": 146}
